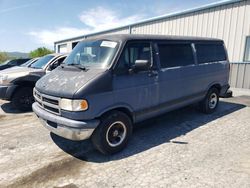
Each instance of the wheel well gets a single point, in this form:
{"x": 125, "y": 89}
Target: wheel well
{"x": 217, "y": 86}
{"x": 121, "y": 109}
{"x": 23, "y": 84}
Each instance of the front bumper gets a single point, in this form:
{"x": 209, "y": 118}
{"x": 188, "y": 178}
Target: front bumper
{"x": 67, "y": 128}
{"x": 6, "y": 91}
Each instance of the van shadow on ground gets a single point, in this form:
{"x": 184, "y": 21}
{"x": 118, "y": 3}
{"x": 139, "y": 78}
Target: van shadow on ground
{"x": 152, "y": 133}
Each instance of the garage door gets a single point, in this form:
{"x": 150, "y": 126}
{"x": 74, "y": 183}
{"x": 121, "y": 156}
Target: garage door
{"x": 62, "y": 48}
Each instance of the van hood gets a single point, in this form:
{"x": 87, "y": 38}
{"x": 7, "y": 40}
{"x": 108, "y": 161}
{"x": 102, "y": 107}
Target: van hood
{"x": 65, "y": 82}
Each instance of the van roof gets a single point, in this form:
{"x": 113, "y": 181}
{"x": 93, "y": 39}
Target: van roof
{"x": 125, "y": 37}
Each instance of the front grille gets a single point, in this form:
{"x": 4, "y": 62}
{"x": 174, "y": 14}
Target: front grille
{"x": 52, "y": 101}
{"x": 49, "y": 103}
{"x": 51, "y": 109}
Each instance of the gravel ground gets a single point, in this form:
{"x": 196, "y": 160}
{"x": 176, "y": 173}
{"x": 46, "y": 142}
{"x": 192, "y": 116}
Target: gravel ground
{"x": 183, "y": 148}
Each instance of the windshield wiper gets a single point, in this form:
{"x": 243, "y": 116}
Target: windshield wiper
{"x": 80, "y": 66}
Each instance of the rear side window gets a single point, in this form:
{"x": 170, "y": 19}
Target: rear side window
{"x": 207, "y": 53}
{"x": 175, "y": 55}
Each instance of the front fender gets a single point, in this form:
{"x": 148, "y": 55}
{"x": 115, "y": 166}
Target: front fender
{"x": 117, "y": 106}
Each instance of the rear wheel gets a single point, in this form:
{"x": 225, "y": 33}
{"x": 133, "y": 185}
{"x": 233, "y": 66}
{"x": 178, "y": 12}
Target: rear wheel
{"x": 211, "y": 101}
{"x": 23, "y": 99}
{"x": 112, "y": 135}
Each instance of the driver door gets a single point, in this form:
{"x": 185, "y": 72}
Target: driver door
{"x": 137, "y": 90}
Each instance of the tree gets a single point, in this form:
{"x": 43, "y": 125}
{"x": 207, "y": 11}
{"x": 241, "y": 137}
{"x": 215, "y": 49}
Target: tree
{"x": 39, "y": 52}
{"x": 3, "y": 57}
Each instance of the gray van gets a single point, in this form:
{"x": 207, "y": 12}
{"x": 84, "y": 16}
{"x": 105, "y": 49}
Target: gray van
{"x": 109, "y": 83}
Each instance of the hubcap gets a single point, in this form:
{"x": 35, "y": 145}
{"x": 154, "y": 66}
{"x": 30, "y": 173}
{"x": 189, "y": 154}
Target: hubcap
{"x": 213, "y": 100}
{"x": 116, "y": 133}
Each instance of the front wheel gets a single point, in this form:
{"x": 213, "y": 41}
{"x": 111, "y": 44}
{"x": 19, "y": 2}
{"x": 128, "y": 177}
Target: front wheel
{"x": 23, "y": 99}
{"x": 112, "y": 135}
{"x": 211, "y": 101}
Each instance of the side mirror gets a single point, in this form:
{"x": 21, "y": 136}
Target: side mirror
{"x": 53, "y": 66}
{"x": 141, "y": 65}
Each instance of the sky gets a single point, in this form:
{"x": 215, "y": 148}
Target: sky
{"x": 28, "y": 24}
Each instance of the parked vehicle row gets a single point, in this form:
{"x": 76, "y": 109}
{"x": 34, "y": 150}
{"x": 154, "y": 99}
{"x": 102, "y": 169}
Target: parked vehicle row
{"x": 12, "y": 63}
{"x": 109, "y": 83}
{"x": 17, "y": 83}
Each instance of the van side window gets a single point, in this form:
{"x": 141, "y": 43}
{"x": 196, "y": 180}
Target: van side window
{"x": 131, "y": 53}
{"x": 175, "y": 55}
{"x": 211, "y": 52}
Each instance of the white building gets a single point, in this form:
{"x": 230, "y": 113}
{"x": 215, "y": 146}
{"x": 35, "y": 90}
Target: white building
{"x": 227, "y": 20}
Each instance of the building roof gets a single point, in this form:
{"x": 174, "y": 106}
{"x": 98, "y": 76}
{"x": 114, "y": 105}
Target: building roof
{"x": 188, "y": 11}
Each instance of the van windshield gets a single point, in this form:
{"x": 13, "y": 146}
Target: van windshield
{"x": 41, "y": 63}
{"x": 97, "y": 54}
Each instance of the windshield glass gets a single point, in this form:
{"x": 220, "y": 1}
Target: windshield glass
{"x": 40, "y": 63}
{"x": 92, "y": 54}
{"x": 26, "y": 64}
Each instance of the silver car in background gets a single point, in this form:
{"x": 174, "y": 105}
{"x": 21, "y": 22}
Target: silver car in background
{"x": 16, "y": 84}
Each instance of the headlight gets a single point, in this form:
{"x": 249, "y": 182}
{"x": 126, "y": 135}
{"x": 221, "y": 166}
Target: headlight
{"x": 3, "y": 78}
{"x": 73, "y": 105}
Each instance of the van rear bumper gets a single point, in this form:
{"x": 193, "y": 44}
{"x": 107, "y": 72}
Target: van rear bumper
{"x": 67, "y": 128}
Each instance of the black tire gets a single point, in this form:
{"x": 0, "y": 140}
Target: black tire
{"x": 113, "y": 133}
{"x": 23, "y": 99}
{"x": 210, "y": 102}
